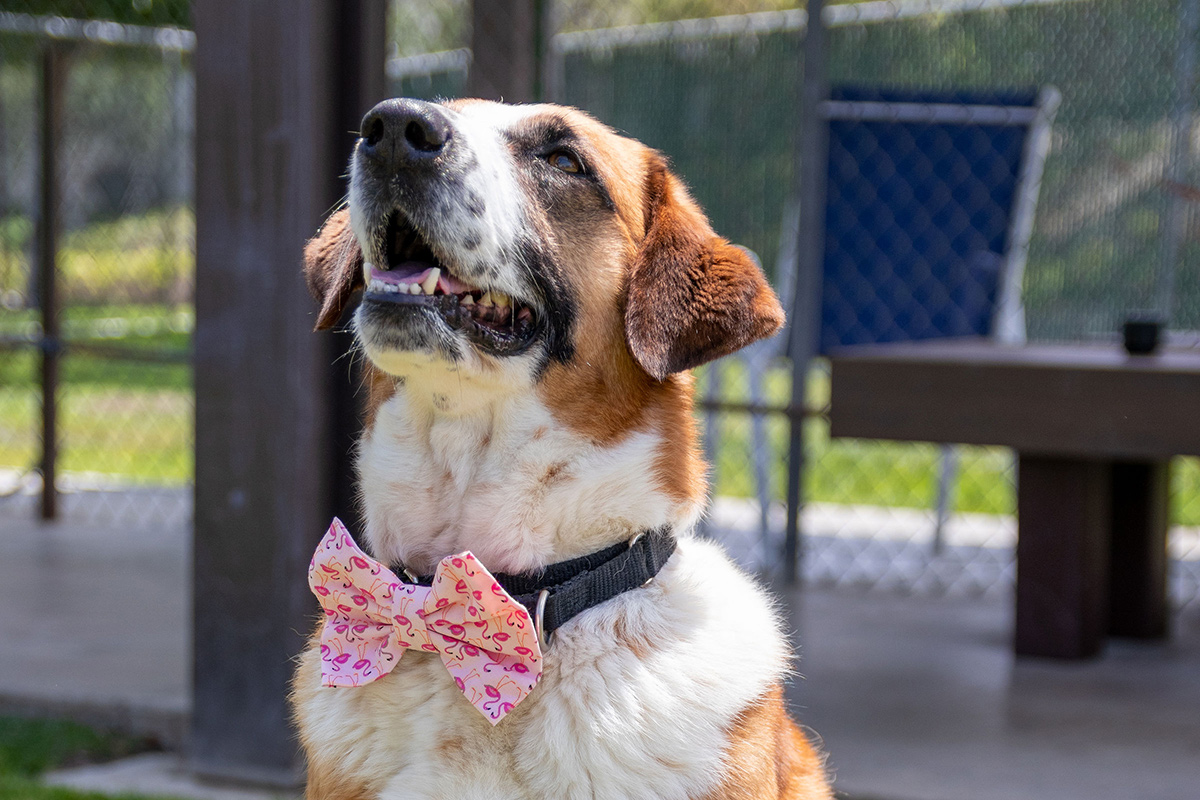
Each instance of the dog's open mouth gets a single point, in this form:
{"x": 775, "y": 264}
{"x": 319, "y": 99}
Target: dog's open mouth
{"x": 414, "y": 278}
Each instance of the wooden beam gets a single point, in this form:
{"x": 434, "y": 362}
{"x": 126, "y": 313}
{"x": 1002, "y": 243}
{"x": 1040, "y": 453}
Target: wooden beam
{"x": 504, "y": 50}
{"x": 361, "y": 47}
{"x": 273, "y": 127}
{"x": 1081, "y": 400}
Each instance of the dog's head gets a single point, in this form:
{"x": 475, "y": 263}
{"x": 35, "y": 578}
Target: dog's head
{"x": 499, "y": 243}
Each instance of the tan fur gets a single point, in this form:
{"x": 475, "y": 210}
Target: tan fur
{"x": 328, "y": 784}
{"x": 329, "y": 776}
{"x": 380, "y": 387}
{"x": 333, "y": 267}
{"x": 693, "y": 297}
{"x": 769, "y": 758}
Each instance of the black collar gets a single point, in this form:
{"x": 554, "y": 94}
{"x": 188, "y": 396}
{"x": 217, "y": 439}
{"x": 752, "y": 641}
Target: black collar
{"x": 574, "y": 586}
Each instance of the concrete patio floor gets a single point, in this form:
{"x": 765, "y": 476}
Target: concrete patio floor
{"x": 915, "y": 699}
{"x": 919, "y": 699}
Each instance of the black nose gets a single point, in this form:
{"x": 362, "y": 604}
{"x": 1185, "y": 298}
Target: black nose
{"x": 405, "y": 132}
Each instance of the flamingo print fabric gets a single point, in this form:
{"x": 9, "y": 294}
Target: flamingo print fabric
{"x": 485, "y": 637}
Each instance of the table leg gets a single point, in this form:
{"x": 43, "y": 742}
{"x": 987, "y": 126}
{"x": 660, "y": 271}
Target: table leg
{"x": 1138, "y": 550}
{"x": 1063, "y": 508}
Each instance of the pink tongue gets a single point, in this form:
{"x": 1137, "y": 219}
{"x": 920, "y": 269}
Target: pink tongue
{"x": 407, "y": 272}
{"x": 417, "y": 272}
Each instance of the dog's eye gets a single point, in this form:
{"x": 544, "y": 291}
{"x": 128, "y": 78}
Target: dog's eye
{"x": 566, "y": 161}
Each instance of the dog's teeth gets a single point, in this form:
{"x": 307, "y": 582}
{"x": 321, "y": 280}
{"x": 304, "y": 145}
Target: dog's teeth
{"x": 501, "y": 299}
{"x": 486, "y": 300}
{"x": 431, "y": 280}
{"x": 414, "y": 288}
{"x": 467, "y": 300}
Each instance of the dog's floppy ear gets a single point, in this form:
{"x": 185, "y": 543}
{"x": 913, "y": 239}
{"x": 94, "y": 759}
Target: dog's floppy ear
{"x": 333, "y": 267}
{"x": 693, "y": 297}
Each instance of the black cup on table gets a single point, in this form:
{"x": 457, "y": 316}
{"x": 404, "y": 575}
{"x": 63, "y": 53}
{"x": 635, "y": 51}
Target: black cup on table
{"x": 1142, "y": 334}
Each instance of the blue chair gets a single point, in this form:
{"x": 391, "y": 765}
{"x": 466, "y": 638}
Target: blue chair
{"x": 929, "y": 207}
{"x": 928, "y": 213}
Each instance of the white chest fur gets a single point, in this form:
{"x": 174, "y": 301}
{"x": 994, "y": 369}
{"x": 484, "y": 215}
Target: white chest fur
{"x": 635, "y": 702}
{"x": 503, "y": 480}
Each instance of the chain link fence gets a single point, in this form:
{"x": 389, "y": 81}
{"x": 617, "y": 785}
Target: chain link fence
{"x": 1115, "y": 233}
{"x": 108, "y": 339}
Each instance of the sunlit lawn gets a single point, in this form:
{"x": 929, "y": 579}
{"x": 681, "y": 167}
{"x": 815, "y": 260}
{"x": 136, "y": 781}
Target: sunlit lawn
{"x": 117, "y": 417}
{"x": 29, "y": 748}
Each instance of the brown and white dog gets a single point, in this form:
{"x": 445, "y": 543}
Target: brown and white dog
{"x": 536, "y": 288}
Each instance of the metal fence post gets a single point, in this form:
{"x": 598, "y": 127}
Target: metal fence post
{"x": 806, "y": 302}
{"x": 53, "y": 81}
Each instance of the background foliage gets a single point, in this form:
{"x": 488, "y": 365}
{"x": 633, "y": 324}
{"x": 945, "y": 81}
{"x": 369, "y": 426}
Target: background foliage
{"x": 136, "y": 12}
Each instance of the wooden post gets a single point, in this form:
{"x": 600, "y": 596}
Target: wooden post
{"x": 1141, "y": 515}
{"x": 54, "y": 74}
{"x": 280, "y": 86}
{"x": 1062, "y": 556}
{"x": 361, "y": 46}
{"x": 505, "y": 50}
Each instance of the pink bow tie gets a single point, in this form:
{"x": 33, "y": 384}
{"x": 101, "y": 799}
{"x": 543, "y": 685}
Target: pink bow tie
{"x": 485, "y": 637}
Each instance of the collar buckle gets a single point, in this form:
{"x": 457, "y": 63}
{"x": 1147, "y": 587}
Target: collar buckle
{"x": 539, "y": 614}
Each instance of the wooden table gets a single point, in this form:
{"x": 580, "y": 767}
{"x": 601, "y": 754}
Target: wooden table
{"x": 1094, "y": 429}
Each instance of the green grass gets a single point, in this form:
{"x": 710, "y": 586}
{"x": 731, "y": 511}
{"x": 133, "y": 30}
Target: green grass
{"x": 20, "y": 371}
{"x": 141, "y": 435}
{"x": 118, "y": 417}
{"x": 153, "y": 327}
{"x": 28, "y": 748}
{"x": 143, "y": 258}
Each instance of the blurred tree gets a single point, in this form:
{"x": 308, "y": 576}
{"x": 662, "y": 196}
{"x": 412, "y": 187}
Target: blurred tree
{"x": 577, "y": 15}
{"x": 422, "y": 26}
{"x": 426, "y": 26}
{"x": 138, "y": 12}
